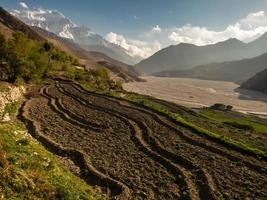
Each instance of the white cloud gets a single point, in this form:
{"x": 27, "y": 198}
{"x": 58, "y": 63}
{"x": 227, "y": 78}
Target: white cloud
{"x": 23, "y": 5}
{"x": 156, "y": 28}
{"x": 245, "y": 29}
{"x": 134, "y": 48}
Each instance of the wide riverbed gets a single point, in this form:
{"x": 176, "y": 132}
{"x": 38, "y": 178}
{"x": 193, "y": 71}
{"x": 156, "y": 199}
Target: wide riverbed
{"x": 199, "y": 93}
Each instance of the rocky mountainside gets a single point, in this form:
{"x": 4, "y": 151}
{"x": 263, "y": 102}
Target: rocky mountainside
{"x": 187, "y": 56}
{"x": 55, "y": 22}
{"x": 257, "y": 82}
{"x": 235, "y": 71}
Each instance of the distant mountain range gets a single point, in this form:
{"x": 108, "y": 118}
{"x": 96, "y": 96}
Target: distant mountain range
{"x": 55, "y": 22}
{"x": 187, "y": 56}
{"x": 117, "y": 69}
{"x": 235, "y": 71}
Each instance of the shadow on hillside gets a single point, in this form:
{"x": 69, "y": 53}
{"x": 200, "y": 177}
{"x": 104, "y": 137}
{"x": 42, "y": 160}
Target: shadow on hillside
{"x": 251, "y": 95}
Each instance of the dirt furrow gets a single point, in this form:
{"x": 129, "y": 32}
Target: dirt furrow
{"x": 88, "y": 172}
{"x": 187, "y": 138}
{"x": 232, "y": 172}
{"x": 56, "y": 106}
{"x": 189, "y": 192}
{"x": 153, "y": 181}
{"x": 199, "y": 176}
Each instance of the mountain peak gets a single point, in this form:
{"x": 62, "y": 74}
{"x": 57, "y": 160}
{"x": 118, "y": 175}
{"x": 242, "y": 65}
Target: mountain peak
{"x": 183, "y": 44}
{"x": 231, "y": 41}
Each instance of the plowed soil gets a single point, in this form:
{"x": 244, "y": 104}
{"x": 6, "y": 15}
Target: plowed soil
{"x": 134, "y": 153}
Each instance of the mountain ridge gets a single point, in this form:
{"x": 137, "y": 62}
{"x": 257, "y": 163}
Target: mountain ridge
{"x": 187, "y": 56}
{"x": 236, "y": 71}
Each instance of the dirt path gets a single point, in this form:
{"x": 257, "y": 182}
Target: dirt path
{"x": 144, "y": 154}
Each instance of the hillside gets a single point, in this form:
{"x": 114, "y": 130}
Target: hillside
{"x": 186, "y": 56}
{"x": 148, "y": 142}
{"x": 8, "y": 23}
{"x": 257, "y": 82}
{"x": 75, "y": 134}
{"x": 235, "y": 71}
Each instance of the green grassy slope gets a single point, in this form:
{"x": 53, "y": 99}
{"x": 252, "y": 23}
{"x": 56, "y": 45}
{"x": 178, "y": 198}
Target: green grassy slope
{"x": 29, "y": 171}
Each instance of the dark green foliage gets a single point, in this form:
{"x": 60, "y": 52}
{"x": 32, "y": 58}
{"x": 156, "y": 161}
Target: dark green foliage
{"x": 23, "y": 142}
{"x": 222, "y": 107}
{"x": 229, "y": 107}
{"x": 22, "y": 58}
{"x": 240, "y": 126}
{"x": 47, "y": 46}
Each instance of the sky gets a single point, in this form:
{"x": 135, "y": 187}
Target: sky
{"x": 145, "y": 26}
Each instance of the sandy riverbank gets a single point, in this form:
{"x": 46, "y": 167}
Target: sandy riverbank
{"x": 199, "y": 93}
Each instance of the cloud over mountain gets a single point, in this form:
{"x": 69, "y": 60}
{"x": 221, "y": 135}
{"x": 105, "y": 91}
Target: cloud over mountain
{"x": 147, "y": 42}
{"x": 134, "y": 47}
{"x": 245, "y": 29}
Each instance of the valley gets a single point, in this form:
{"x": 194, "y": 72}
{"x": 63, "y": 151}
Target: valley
{"x": 199, "y": 93}
{"x": 135, "y": 110}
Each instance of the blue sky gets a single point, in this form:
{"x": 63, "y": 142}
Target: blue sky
{"x": 104, "y": 16}
{"x": 153, "y": 24}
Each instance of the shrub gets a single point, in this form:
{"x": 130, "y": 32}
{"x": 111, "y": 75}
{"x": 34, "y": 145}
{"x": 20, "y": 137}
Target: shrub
{"x": 222, "y": 107}
{"x": 240, "y": 126}
{"x": 23, "y": 142}
{"x": 229, "y": 107}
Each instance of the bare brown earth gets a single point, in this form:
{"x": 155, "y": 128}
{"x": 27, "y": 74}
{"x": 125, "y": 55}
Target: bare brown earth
{"x": 199, "y": 93}
{"x": 133, "y": 153}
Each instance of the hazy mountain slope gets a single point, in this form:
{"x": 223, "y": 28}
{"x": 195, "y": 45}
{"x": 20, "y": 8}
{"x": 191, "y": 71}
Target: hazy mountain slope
{"x": 236, "y": 71}
{"x": 57, "y": 23}
{"x": 186, "y": 56}
{"x": 10, "y": 24}
{"x": 92, "y": 59}
{"x": 257, "y": 82}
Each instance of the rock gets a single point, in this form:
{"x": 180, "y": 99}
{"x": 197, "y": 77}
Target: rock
{"x": 6, "y": 117}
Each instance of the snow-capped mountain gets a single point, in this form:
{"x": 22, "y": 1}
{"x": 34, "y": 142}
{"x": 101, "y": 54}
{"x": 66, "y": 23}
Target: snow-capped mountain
{"x": 55, "y": 22}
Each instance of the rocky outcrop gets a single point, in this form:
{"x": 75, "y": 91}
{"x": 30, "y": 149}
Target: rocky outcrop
{"x": 8, "y": 94}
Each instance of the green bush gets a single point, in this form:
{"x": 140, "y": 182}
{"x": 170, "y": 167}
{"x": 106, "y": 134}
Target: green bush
{"x": 222, "y": 107}
{"x": 240, "y": 126}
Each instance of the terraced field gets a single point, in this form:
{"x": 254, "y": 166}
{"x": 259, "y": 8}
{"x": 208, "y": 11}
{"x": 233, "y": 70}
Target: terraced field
{"x": 133, "y": 153}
